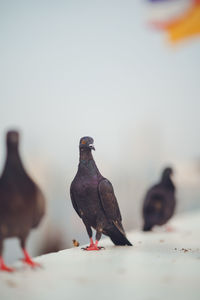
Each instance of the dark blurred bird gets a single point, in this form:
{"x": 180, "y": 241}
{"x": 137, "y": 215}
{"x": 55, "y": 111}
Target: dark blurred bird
{"x": 94, "y": 200}
{"x": 22, "y": 204}
{"x": 159, "y": 203}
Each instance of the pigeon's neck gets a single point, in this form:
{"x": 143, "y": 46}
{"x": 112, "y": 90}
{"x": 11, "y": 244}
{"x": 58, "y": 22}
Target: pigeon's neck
{"x": 85, "y": 155}
{"x": 167, "y": 182}
{"x": 87, "y": 165}
{"x": 13, "y": 160}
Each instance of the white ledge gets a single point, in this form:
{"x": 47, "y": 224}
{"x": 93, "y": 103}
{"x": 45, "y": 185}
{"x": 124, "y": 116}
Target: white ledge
{"x": 160, "y": 265}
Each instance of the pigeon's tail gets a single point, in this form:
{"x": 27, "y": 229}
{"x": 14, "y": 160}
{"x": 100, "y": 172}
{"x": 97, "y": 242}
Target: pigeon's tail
{"x": 118, "y": 238}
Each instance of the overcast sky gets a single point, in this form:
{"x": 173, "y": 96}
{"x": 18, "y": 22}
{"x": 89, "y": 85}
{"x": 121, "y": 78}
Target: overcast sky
{"x": 71, "y": 68}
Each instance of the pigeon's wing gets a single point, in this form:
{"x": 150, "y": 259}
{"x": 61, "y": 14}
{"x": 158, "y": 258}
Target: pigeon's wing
{"x": 39, "y": 207}
{"x": 75, "y": 206}
{"x": 109, "y": 203}
{"x": 154, "y": 200}
{"x": 155, "y": 209}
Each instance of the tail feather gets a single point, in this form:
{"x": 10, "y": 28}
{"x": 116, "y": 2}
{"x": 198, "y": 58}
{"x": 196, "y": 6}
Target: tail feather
{"x": 118, "y": 238}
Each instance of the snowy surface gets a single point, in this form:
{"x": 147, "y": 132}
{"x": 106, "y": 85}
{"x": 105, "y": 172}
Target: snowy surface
{"x": 161, "y": 265}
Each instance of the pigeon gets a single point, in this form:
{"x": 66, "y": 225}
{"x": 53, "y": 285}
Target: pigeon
{"x": 94, "y": 200}
{"x": 159, "y": 203}
{"x": 22, "y": 204}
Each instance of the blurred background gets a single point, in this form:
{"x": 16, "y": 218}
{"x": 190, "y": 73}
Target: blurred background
{"x": 75, "y": 68}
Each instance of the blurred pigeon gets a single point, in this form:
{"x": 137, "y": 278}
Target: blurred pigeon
{"x": 94, "y": 200}
{"x": 159, "y": 203}
{"x": 22, "y": 204}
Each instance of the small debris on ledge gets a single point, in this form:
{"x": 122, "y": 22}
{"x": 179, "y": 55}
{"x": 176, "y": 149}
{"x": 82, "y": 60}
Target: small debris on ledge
{"x": 75, "y": 243}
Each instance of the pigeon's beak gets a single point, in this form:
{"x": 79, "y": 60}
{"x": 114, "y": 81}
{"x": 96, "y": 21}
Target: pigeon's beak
{"x": 91, "y": 146}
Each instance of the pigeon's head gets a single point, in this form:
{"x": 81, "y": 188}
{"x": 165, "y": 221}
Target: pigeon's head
{"x": 86, "y": 143}
{"x": 12, "y": 138}
{"x": 167, "y": 172}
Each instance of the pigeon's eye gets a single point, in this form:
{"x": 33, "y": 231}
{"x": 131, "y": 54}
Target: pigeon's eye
{"x": 83, "y": 142}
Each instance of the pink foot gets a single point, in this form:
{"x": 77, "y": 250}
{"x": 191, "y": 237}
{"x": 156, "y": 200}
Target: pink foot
{"x": 91, "y": 244}
{"x": 3, "y": 267}
{"x": 27, "y": 259}
{"x": 93, "y": 247}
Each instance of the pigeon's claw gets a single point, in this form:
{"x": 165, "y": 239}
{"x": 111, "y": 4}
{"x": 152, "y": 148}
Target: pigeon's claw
{"x": 4, "y": 268}
{"x": 91, "y": 244}
{"x": 31, "y": 263}
{"x": 93, "y": 247}
{"x": 27, "y": 259}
